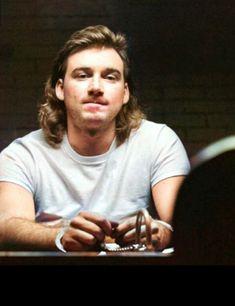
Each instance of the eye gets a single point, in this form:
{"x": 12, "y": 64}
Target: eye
{"x": 111, "y": 77}
{"x": 82, "y": 75}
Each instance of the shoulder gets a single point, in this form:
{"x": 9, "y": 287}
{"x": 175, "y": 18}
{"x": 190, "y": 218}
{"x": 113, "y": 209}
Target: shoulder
{"x": 156, "y": 131}
{"x": 25, "y": 143}
{"x": 162, "y": 140}
{"x": 34, "y": 136}
{"x": 150, "y": 125}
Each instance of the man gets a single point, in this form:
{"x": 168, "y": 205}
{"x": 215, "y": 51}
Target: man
{"x": 95, "y": 162}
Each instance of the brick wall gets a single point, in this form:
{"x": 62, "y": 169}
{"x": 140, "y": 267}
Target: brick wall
{"x": 182, "y": 51}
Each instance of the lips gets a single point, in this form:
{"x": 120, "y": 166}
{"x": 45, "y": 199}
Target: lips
{"x": 95, "y": 106}
{"x": 99, "y": 102}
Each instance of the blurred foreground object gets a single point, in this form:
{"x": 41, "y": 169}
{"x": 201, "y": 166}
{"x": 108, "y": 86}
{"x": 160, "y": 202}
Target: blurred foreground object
{"x": 204, "y": 225}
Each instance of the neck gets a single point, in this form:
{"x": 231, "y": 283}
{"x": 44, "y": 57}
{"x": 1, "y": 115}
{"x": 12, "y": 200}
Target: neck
{"x": 91, "y": 142}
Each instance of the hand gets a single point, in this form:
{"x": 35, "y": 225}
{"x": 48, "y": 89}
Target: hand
{"x": 125, "y": 233}
{"x": 86, "y": 232}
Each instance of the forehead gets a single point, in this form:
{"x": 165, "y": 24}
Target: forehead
{"x": 98, "y": 58}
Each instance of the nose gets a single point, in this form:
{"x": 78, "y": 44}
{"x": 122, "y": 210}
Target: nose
{"x": 96, "y": 87}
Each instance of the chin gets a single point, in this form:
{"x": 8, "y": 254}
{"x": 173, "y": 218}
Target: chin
{"x": 96, "y": 121}
{"x": 94, "y": 126}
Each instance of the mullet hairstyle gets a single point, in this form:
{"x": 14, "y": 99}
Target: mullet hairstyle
{"x": 52, "y": 114}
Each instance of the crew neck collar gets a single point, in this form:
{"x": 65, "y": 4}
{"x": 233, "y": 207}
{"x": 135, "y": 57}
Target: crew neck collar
{"x": 86, "y": 159}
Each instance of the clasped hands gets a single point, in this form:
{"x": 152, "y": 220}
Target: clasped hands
{"x": 88, "y": 230}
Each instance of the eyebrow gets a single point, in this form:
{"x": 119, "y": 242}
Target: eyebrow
{"x": 88, "y": 69}
{"x": 113, "y": 70}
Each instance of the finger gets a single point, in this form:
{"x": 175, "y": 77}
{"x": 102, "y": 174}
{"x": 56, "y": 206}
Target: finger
{"x": 124, "y": 227}
{"x": 130, "y": 236}
{"x": 102, "y": 222}
{"x": 156, "y": 243}
{"x": 155, "y": 226}
{"x": 114, "y": 224}
{"x": 80, "y": 223}
{"x": 72, "y": 244}
{"x": 80, "y": 237}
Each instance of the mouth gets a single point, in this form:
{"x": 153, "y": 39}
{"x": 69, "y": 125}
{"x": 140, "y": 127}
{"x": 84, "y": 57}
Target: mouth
{"x": 99, "y": 102}
{"x": 95, "y": 106}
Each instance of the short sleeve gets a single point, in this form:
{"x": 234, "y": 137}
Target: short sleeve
{"x": 17, "y": 165}
{"x": 169, "y": 157}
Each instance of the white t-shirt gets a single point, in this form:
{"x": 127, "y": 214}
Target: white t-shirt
{"x": 115, "y": 184}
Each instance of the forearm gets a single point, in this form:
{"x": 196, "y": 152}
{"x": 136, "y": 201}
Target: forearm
{"x": 22, "y": 234}
{"x": 164, "y": 195}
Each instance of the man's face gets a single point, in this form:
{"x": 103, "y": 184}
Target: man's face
{"x": 93, "y": 88}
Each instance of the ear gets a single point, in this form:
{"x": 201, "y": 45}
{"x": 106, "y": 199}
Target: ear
{"x": 59, "y": 89}
{"x": 126, "y": 94}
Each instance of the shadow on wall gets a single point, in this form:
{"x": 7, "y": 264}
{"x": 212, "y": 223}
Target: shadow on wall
{"x": 204, "y": 219}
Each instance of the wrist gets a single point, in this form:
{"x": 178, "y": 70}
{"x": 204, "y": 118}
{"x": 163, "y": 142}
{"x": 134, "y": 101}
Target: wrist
{"x": 167, "y": 225}
{"x": 60, "y": 235}
{"x": 58, "y": 239}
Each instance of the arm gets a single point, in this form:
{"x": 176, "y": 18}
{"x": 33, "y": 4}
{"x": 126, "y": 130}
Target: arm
{"x": 19, "y": 231}
{"x": 164, "y": 196}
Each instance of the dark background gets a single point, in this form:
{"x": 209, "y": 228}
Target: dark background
{"x": 183, "y": 54}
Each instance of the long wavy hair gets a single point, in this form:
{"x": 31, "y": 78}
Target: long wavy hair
{"x": 52, "y": 112}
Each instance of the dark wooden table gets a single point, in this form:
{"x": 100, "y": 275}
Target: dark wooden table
{"x": 85, "y": 258}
